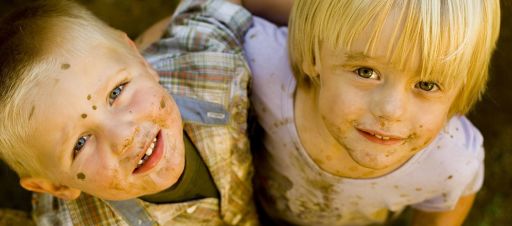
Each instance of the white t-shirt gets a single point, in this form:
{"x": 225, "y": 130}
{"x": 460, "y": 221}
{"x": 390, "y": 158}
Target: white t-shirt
{"x": 289, "y": 184}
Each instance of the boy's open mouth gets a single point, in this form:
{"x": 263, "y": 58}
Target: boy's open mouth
{"x": 152, "y": 155}
{"x": 380, "y": 138}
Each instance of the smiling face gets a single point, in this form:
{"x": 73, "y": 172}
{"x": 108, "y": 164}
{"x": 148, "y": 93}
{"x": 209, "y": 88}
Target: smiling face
{"x": 378, "y": 114}
{"x": 369, "y": 114}
{"x": 104, "y": 125}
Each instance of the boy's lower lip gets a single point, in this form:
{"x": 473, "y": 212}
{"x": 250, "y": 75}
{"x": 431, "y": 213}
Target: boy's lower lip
{"x": 155, "y": 157}
{"x": 374, "y": 139}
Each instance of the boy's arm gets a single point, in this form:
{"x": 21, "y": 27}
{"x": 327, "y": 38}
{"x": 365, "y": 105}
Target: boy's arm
{"x": 152, "y": 34}
{"x": 276, "y": 11}
{"x": 156, "y": 31}
{"x": 453, "y": 217}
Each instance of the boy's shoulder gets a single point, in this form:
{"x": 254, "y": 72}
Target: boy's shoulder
{"x": 460, "y": 132}
{"x": 199, "y": 25}
{"x": 455, "y": 155}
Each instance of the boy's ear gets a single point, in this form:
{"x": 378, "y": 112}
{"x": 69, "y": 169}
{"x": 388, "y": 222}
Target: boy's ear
{"x": 42, "y": 185}
{"x": 311, "y": 70}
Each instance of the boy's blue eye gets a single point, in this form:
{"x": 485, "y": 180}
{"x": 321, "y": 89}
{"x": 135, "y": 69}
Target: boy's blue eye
{"x": 115, "y": 93}
{"x": 427, "y": 86}
{"x": 80, "y": 143}
{"x": 365, "y": 72}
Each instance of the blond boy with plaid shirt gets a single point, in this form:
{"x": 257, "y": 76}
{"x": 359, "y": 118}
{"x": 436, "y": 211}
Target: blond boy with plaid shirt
{"x": 90, "y": 125}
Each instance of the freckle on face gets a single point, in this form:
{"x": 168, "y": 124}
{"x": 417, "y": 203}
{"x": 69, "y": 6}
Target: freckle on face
{"x": 84, "y": 116}
{"x": 162, "y": 103}
{"x": 80, "y": 176}
{"x": 89, "y": 97}
{"x": 65, "y": 66}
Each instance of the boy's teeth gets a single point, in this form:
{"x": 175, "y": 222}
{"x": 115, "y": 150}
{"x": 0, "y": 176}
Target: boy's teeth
{"x": 381, "y": 137}
{"x": 147, "y": 154}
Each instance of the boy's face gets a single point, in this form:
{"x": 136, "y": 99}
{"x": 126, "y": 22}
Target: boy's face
{"x": 105, "y": 126}
{"x": 380, "y": 115}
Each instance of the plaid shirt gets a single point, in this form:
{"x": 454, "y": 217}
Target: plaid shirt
{"x": 201, "y": 64}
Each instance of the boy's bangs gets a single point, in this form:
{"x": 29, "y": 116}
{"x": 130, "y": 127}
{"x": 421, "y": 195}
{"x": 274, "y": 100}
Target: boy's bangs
{"x": 435, "y": 33}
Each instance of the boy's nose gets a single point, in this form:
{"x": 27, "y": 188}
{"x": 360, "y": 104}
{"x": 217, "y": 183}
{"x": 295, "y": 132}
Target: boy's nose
{"x": 389, "y": 104}
{"x": 120, "y": 136}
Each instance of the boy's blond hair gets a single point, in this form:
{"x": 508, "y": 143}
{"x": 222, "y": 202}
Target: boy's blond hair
{"x": 455, "y": 39}
{"x": 35, "y": 41}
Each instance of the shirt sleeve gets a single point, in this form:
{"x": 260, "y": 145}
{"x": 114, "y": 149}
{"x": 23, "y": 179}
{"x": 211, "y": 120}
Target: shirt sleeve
{"x": 474, "y": 142}
{"x": 208, "y": 25}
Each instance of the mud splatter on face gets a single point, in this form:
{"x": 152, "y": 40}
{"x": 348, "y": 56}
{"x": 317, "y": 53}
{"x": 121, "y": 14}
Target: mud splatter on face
{"x": 129, "y": 141}
{"x": 162, "y": 103}
{"x": 80, "y": 176}
{"x": 83, "y": 115}
{"x": 65, "y": 66}
{"x": 94, "y": 107}
{"x": 89, "y": 97}
{"x": 161, "y": 123}
{"x": 328, "y": 158}
{"x": 31, "y": 112}
{"x": 115, "y": 183}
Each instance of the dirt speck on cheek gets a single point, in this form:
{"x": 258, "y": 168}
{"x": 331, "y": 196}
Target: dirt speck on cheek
{"x": 115, "y": 181}
{"x": 352, "y": 169}
{"x": 162, "y": 103}
{"x": 80, "y": 176}
{"x": 160, "y": 122}
{"x": 128, "y": 142}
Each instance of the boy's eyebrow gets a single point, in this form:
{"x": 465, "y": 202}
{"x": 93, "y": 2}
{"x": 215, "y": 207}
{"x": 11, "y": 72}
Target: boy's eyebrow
{"x": 360, "y": 56}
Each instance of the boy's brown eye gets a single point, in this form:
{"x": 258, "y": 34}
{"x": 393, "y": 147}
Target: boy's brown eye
{"x": 365, "y": 72}
{"x": 427, "y": 86}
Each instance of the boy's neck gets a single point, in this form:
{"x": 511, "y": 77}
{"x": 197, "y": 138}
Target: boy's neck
{"x": 320, "y": 145}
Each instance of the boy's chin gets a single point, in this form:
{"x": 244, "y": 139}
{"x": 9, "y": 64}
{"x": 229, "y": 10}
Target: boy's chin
{"x": 373, "y": 161}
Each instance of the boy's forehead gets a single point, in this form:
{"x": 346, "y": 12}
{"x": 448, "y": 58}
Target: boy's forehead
{"x": 386, "y": 41}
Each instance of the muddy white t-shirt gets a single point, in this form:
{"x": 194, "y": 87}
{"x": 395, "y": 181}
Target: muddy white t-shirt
{"x": 293, "y": 188}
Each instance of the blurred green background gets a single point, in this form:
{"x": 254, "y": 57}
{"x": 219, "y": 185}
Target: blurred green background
{"x": 493, "y": 115}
